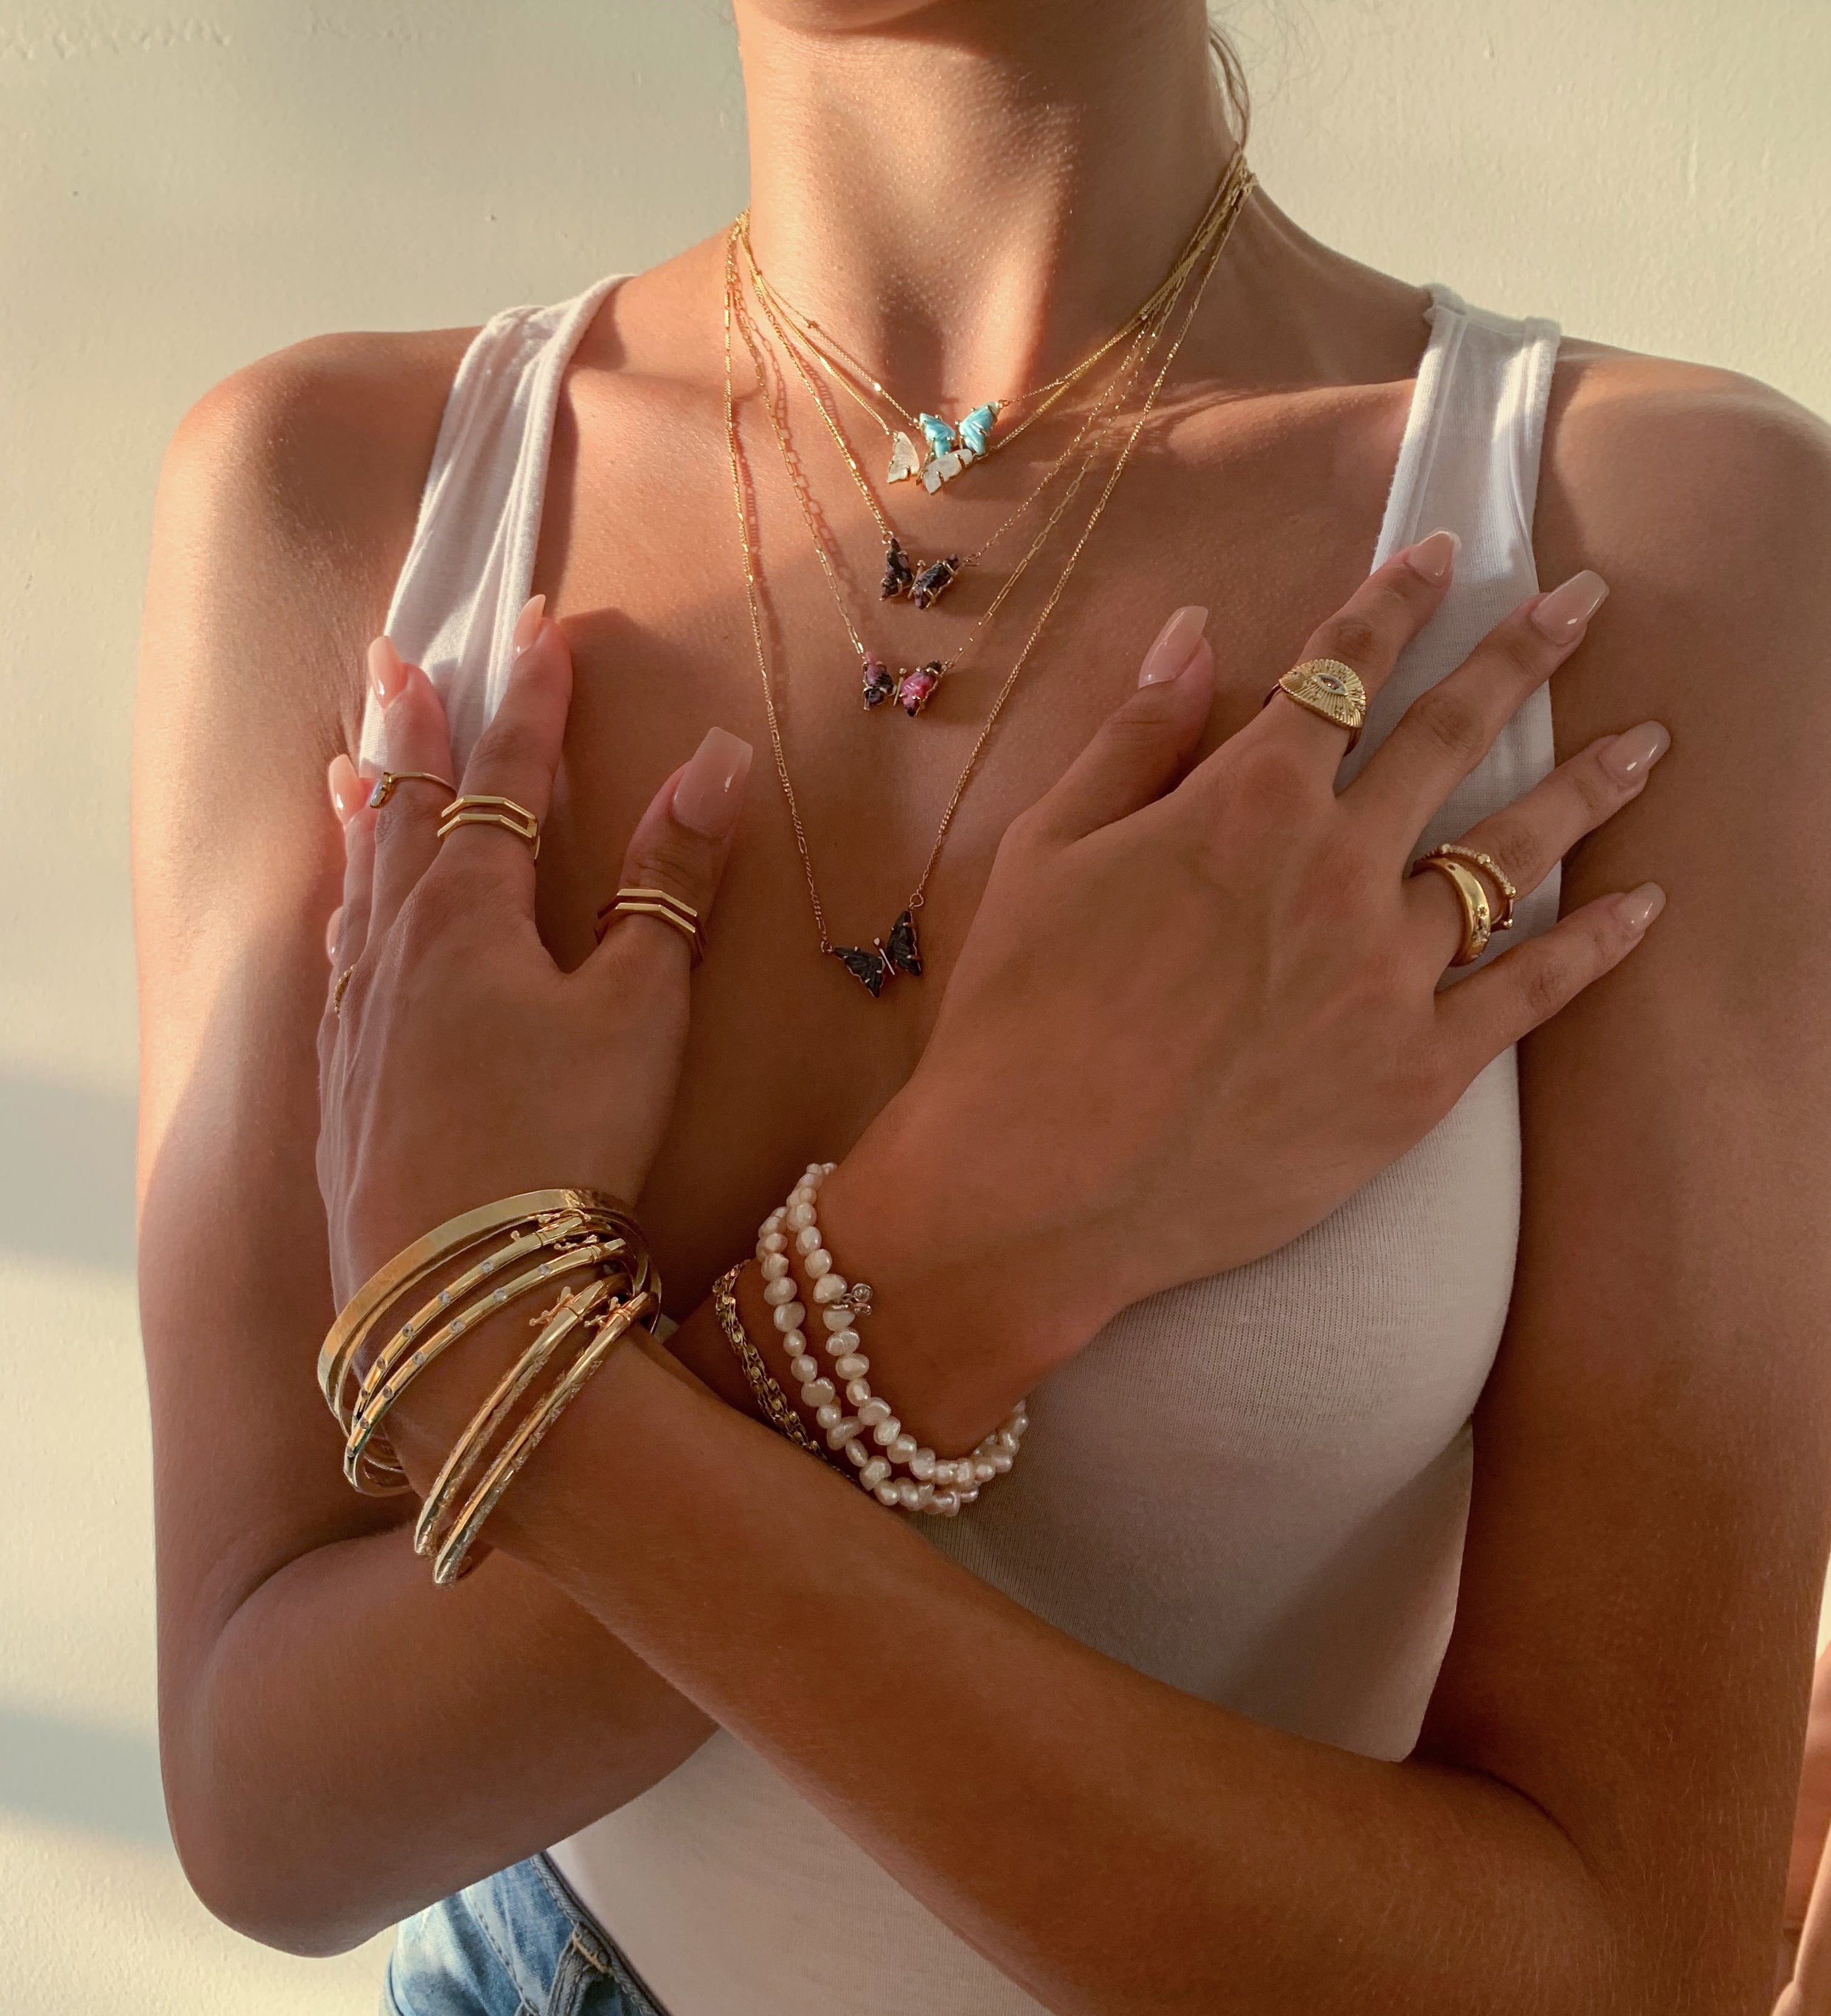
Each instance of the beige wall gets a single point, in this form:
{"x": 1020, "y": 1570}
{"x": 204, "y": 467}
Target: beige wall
{"x": 179, "y": 192}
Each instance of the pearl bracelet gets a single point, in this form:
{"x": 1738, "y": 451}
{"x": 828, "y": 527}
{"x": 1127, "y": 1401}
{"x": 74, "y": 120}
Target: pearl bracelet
{"x": 934, "y": 1483}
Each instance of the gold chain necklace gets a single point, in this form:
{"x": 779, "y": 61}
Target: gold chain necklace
{"x": 874, "y": 966}
{"x": 913, "y": 689}
{"x": 952, "y": 446}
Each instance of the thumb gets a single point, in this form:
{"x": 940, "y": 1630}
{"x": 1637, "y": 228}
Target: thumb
{"x": 1145, "y": 746}
{"x": 675, "y": 859}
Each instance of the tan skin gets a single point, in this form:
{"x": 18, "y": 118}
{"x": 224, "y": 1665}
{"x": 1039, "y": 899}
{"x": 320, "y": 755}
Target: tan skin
{"x": 1657, "y": 1386}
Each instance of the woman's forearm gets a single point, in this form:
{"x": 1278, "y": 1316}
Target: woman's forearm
{"x": 360, "y": 1743}
{"x": 1237, "y": 1867}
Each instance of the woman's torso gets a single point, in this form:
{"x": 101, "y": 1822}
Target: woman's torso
{"x": 1281, "y": 1453}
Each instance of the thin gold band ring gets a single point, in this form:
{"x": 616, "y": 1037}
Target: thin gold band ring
{"x": 385, "y": 783}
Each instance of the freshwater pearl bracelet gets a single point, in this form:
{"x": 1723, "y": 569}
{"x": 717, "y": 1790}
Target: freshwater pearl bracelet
{"x": 934, "y": 1483}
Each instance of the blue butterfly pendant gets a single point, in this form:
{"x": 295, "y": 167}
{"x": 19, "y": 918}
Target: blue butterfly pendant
{"x": 951, "y": 448}
{"x": 876, "y": 965}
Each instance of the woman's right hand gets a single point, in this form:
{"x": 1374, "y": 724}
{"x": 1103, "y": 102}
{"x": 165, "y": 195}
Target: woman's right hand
{"x": 1199, "y": 1007}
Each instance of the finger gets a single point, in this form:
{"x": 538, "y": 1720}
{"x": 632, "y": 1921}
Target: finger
{"x": 1446, "y": 732}
{"x": 1367, "y": 634}
{"x": 413, "y": 789}
{"x": 1528, "y": 985}
{"x": 1526, "y": 839}
{"x": 1142, "y": 748}
{"x": 352, "y": 917}
{"x": 516, "y": 758}
{"x": 679, "y": 848}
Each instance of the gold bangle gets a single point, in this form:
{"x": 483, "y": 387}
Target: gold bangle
{"x": 483, "y": 809}
{"x": 556, "y": 1324}
{"x": 778, "y": 1410}
{"x": 372, "y": 1411}
{"x": 448, "y": 1563}
{"x": 1452, "y": 850}
{"x": 416, "y": 1263}
{"x": 1472, "y": 893}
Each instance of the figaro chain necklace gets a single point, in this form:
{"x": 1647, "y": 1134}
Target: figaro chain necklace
{"x": 876, "y": 965}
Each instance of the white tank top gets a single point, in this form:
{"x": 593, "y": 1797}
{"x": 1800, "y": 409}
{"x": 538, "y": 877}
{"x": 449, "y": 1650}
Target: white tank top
{"x": 1287, "y": 1445}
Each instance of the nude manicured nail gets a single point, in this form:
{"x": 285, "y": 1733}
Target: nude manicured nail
{"x": 348, "y": 790}
{"x": 333, "y": 931}
{"x": 710, "y": 792}
{"x": 527, "y": 624}
{"x": 1562, "y": 613}
{"x": 1175, "y": 646}
{"x": 387, "y": 673}
{"x": 1635, "y": 751}
{"x": 1638, "y": 907}
{"x": 1433, "y": 557}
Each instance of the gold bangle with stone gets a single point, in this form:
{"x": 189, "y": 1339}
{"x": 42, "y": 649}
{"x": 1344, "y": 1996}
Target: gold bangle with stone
{"x": 448, "y": 1563}
{"x": 1452, "y": 850}
{"x": 1472, "y": 893}
{"x": 778, "y": 1410}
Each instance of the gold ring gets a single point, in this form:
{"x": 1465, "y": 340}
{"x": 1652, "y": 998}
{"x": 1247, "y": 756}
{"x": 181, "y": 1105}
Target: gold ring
{"x": 385, "y": 783}
{"x": 486, "y": 811}
{"x": 337, "y": 992}
{"x": 639, "y": 902}
{"x": 1472, "y": 893}
{"x": 1327, "y": 687}
{"x": 1454, "y": 850}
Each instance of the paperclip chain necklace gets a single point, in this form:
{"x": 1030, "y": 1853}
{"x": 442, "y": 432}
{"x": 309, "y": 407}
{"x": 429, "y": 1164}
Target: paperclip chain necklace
{"x": 874, "y": 966}
{"x": 913, "y": 689}
{"x": 953, "y": 446}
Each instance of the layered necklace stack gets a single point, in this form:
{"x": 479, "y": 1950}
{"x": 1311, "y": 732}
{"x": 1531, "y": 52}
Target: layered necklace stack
{"x": 952, "y": 447}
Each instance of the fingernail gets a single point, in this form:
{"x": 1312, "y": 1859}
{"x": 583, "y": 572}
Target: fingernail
{"x": 527, "y": 624}
{"x": 387, "y": 673}
{"x": 711, "y": 788}
{"x": 1638, "y": 907}
{"x": 331, "y": 932}
{"x": 1175, "y": 646}
{"x": 1562, "y": 613}
{"x": 348, "y": 790}
{"x": 1433, "y": 557}
{"x": 1635, "y": 750}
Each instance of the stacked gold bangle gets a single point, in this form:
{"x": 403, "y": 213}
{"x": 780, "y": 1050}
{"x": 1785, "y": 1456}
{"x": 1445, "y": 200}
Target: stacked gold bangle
{"x": 560, "y": 1232}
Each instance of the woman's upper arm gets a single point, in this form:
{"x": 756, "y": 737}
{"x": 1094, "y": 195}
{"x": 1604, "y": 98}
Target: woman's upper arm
{"x": 1652, "y": 1470}
{"x": 286, "y": 503}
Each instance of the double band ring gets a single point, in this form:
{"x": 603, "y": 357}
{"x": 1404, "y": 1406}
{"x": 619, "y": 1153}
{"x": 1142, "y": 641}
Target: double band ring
{"x": 338, "y": 991}
{"x": 636, "y": 902}
{"x": 1453, "y": 850}
{"x": 1472, "y": 893}
{"x": 486, "y": 811}
{"x": 1327, "y": 687}
{"x": 385, "y": 783}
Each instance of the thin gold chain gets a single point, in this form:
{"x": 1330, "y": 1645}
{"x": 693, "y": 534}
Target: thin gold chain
{"x": 1243, "y": 182}
{"x": 1129, "y": 369}
{"x": 834, "y": 356}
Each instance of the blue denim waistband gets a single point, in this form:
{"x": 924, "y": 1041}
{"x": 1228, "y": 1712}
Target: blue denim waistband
{"x": 518, "y": 1944}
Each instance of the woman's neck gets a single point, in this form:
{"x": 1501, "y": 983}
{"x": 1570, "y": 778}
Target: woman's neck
{"x": 970, "y": 195}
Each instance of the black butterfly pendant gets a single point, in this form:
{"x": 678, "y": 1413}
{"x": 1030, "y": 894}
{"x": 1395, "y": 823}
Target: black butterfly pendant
{"x": 899, "y": 575}
{"x": 872, "y": 966}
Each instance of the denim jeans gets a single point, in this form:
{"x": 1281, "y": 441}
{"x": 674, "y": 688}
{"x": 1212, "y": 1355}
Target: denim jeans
{"x": 519, "y": 1944}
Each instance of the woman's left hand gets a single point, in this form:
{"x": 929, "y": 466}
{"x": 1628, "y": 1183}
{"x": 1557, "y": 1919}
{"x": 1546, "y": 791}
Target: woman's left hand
{"x": 457, "y": 1063}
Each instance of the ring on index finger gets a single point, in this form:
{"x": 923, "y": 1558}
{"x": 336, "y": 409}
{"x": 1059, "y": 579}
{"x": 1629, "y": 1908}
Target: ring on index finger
{"x": 1327, "y": 687}
{"x": 481, "y": 809}
{"x": 387, "y": 781}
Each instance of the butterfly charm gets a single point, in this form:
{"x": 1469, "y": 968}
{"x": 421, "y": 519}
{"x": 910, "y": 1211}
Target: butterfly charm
{"x": 905, "y": 460}
{"x": 899, "y": 574}
{"x": 915, "y": 689}
{"x": 875, "y": 965}
{"x": 879, "y": 682}
{"x": 939, "y": 433}
{"x": 975, "y": 429}
{"x": 933, "y": 581}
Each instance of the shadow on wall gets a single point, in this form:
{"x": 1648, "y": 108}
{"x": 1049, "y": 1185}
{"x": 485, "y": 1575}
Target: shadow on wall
{"x": 67, "y": 1175}
{"x": 78, "y": 1777}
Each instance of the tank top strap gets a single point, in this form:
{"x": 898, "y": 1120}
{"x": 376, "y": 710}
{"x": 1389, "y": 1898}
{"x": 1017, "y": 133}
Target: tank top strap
{"x": 1469, "y": 461}
{"x": 470, "y": 568}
